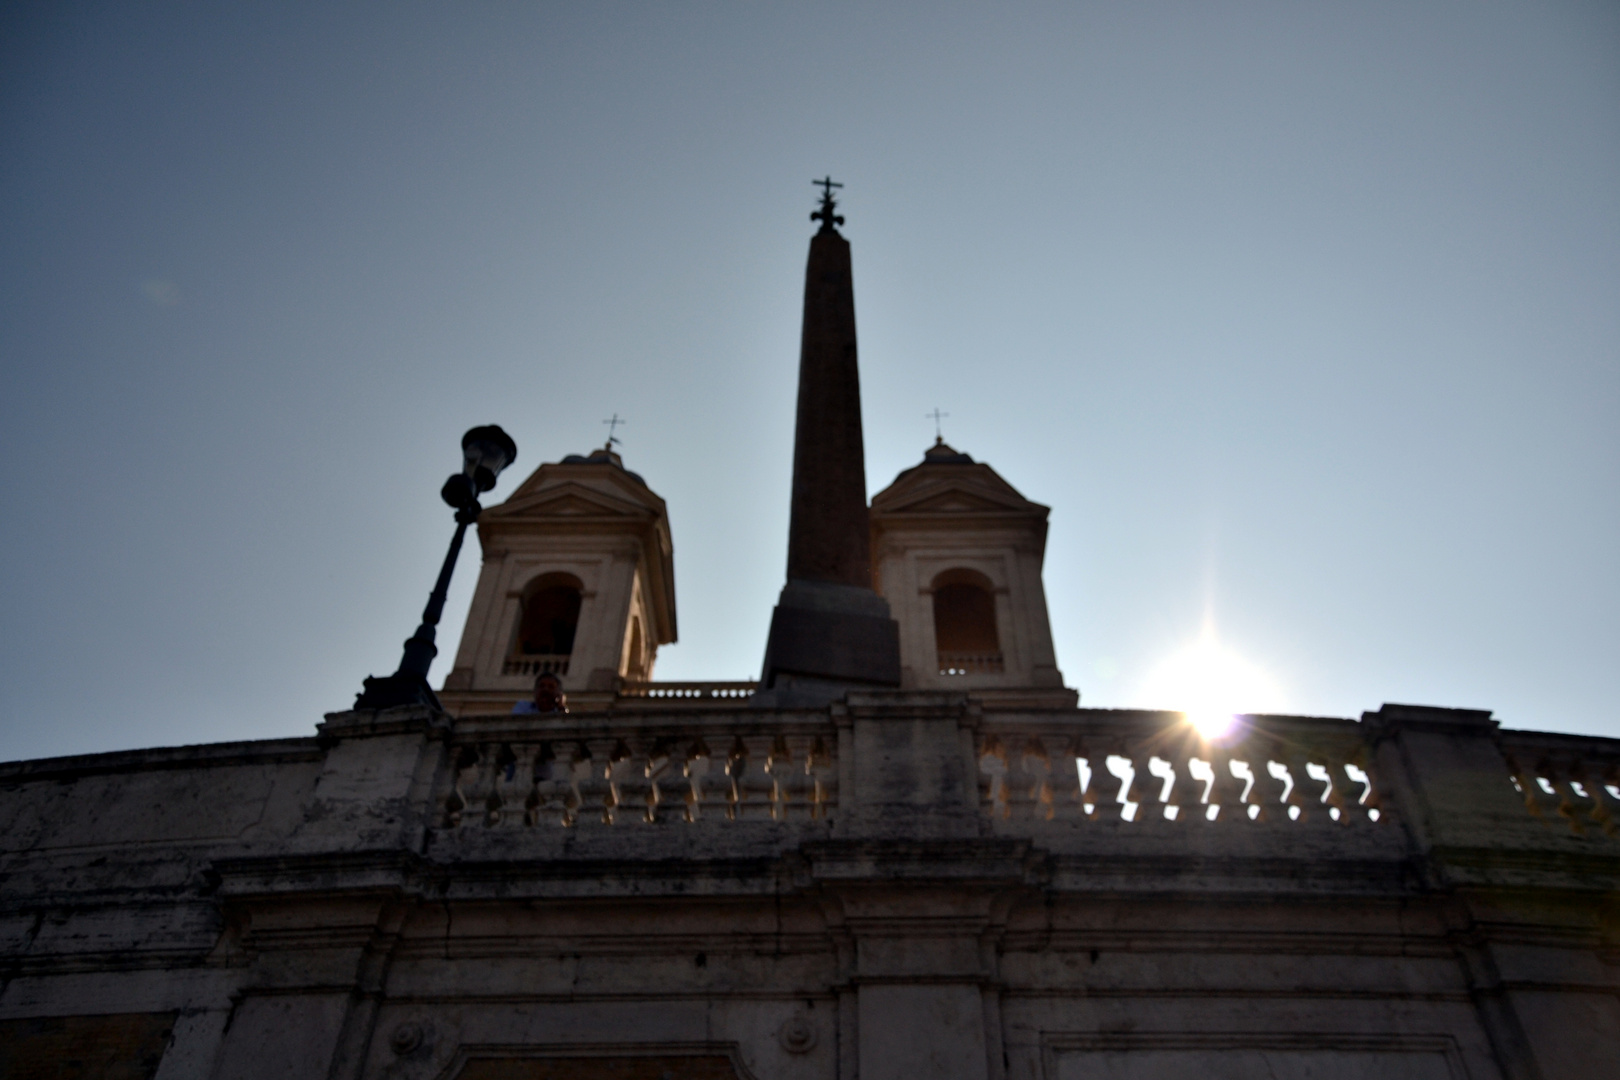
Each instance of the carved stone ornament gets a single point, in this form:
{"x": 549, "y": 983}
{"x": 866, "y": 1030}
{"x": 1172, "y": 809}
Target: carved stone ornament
{"x": 407, "y": 1037}
{"x": 798, "y": 1035}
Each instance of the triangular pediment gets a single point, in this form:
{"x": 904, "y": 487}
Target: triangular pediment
{"x": 952, "y": 489}
{"x": 564, "y": 490}
{"x": 568, "y": 500}
{"x": 568, "y": 504}
{"x": 949, "y": 502}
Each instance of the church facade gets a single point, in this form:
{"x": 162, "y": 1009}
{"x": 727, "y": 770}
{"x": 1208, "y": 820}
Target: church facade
{"x": 906, "y": 851}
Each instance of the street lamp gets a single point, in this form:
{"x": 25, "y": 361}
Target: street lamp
{"x": 485, "y": 451}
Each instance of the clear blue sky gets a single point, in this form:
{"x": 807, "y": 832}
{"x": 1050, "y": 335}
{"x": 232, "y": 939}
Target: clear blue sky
{"x": 1302, "y": 317}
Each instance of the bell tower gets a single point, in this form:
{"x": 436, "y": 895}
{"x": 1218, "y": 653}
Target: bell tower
{"x": 957, "y": 553}
{"x": 578, "y": 579}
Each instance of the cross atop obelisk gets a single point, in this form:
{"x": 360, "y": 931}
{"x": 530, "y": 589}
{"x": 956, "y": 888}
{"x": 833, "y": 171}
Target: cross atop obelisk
{"x": 826, "y": 215}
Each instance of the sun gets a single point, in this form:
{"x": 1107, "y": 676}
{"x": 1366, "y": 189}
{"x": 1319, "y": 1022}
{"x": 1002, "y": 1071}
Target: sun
{"x": 1210, "y": 685}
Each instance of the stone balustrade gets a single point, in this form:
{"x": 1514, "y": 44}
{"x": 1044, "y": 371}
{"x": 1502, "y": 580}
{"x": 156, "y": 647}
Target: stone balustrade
{"x": 1566, "y": 779}
{"x": 1145, "y": 769}
{"x": 585, "y": 776}
{"x": 1154, "y": 768}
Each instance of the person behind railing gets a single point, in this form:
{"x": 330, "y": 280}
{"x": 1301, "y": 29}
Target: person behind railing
{"x": 548, "y": 696}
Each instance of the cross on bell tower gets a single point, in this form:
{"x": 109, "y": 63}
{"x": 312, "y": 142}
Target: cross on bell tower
{"x": 613, "y": 424}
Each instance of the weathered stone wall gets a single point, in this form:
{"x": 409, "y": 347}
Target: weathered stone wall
{"x": 900, "y": 885}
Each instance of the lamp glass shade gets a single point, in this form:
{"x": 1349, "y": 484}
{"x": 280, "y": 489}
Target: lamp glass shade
{"x": 485, "y": 452}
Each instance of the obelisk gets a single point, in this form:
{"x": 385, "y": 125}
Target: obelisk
{"x": 830, "y": 632}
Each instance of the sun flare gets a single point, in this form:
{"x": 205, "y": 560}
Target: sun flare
{"x": 1210, "y": 686}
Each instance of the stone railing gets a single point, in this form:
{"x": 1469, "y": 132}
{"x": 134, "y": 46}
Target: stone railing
{"x": 705, "y": 691}
{"x": 1140, "y": 770}
{"x": 1154, "y": 769}
{"x": 971, "y": 663}
{"x": 1566, "y": 779}
{"x": 538, "y": 664}
{"x": 557, "y": 774}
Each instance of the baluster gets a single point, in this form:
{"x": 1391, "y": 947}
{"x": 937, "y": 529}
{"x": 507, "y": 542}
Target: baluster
{"x": 1088, "y": 789}
{"x": 1226, "y": 791}
{"x": 736, "y": 766}
{"x": 1187, "y": 790}
{"x": 1037, "y": 765}
{"x": 801, "y": 800}
{"x": 1547, "y": 801}
{"x": 761, "y": 785}
{"x": 658, "y": 763}
{"x": 1268, "y": 789}
{"x": 617, "y": 774}
{"x": 1573, "y": 808}
{"x": 818, "y": 767}
{"x": 455, "y": 804}
{"x": 1339, "y": 801}
{"x": 1017, "y": 787}
{"x": 520, "y": 781}
{"x": 1524, "y": 783}
{"x": 1344, "y": 793}
{"x": 1143, "y": 788}
{"x": 596, "y": 791}
{"x": 540, "y": 762}
{"x": 779, "y": 766}
{"x": 1252, "y": 758}
{"x": 758, "y": 786}
{"x": 1304, "y": 794}
{"x": 1372, "y": 806}
{"x": 993, "y": 768}
{"x": 1332, "y": 793}
{"x": 483, "y": 786}
{"x": 1065, "y": 781}
{"x": 1161, "y": 774}
{"x": 1109, "y": 785}
{"x": 580, "y": 771}
{"x": 1605, "y": 807}
{"x": 1536, "y": 798}
{"x": 503, "y": 769}
{"x": 696, "y": 770}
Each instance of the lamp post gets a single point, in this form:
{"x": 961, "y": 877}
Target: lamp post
{"x": 485, "y": 452}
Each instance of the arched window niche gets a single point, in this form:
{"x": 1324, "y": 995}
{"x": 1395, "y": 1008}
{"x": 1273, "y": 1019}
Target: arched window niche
{"x": 546, "y": 626}
{"x": 965, "y": 624}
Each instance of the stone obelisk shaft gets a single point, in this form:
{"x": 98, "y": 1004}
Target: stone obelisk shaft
{"x": 829, "y": 538}
{"x": 830, "y": 632}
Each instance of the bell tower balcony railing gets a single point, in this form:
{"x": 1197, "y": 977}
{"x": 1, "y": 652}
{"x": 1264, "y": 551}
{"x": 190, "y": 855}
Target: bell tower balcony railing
{"x": 537, "y": 664}
{"x": 702, "y": 691}
{"x": 971, "y": 663}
